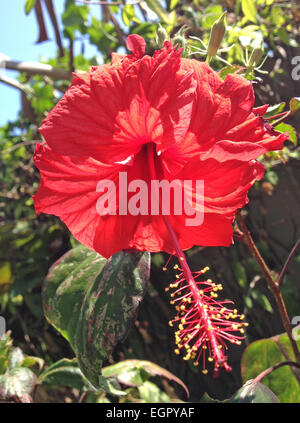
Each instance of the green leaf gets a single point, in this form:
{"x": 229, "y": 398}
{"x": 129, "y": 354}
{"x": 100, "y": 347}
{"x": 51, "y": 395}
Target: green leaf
{"x": 295, "y": 104}
{"x": 173, "y": 4}
{"x": 65, "y": 372}
{"x": 18, "y": 382}
{"x": 30, "y": 361}
{"x": 128, "y": 15}
{"x": 273, "y": 110}
{"x": 228, "y": 69}
{"x": 277, "y": 16}
{"x": 6, "y": 278}
{"x": 262, "y": 300}
{"x": 110, "y": 385}
{"x": 156, "y": 7}
{"x": 254, "y": 392}
{"x": 265, "y": 353}
{"x": 149, "y": 392}
{"x": 240, "y": 274}
{"x": 129, "y": 372}
{"x": 211, "y": 14}
{"x": 75, "y": 16}
{"x": 249, "y": 10}
{"x": 92, "y": 301}
{"x": 145, "y": 29}
{"x": 16, "y": 358}
{"x": 271, "y": 177}
{"x": 284, "y": 127}
{"x": 29, "y": 5}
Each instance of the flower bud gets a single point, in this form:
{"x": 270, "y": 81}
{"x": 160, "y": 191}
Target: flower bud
{"x": 161, "y": 36}
{"x": 216, "y": 36}
{"x": 256, "y": 56}
{"x": 179, "y": 40}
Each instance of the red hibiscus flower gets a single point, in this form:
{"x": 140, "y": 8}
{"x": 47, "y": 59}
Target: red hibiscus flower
{"x": 160, "y": 118}
{"x": 196, "y": 126}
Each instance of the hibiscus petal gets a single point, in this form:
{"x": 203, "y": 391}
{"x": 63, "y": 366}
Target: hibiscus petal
{"x": 68, "y": 190}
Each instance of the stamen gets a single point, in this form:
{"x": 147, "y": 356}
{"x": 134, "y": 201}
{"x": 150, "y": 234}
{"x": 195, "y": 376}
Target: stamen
{"x": 204, "y": 326}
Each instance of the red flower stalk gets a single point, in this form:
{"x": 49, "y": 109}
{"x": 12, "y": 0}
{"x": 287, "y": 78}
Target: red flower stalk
{"x": 156, "y": 118}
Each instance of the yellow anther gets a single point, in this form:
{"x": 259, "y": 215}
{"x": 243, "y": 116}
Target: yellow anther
{"x": 176, "y": 267}
{"x": 182, "y": 307}
{"x": 205, "y": 371}
{"x": 164, "y": 269}
{"x": 242, "y": 331}
{"x": 180, "y": 326}
{"x": 220, "y": 347}
{"x": 196, "y": 363}
{"x": 177, "y": 276}
{"x": 242, "y": 316}
{"x": 167, "y": 289}
{"x": 177, "y": 351}
{"x": 171, "y": 323}
{"x": 172, "y": 302}
{"x": 210, "y": 359}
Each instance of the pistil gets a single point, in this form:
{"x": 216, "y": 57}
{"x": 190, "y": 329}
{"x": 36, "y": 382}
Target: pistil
{"x": 203, "y": 323}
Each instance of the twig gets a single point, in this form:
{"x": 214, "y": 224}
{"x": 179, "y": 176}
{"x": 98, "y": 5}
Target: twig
{"x": 52, "y": 14}
{"x": 287, "y": 357}
{"x": 71, "y": 55}
{"x": 271, "y": 369}
{"x": 274, "y": 287}
{"x": 33, "y": 68}
{"x": 288, "y": 262}
{"x": 14, "y": 83}
{"x": 116, "y": 24}
{"x": 43, "y": 36}
{"x": 20, "y": 144}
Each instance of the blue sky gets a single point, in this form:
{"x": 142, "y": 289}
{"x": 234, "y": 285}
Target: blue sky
{"x": 18, "y": 34}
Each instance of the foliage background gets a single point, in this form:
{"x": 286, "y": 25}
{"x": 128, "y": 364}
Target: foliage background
{"x": 29, "y": 244}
